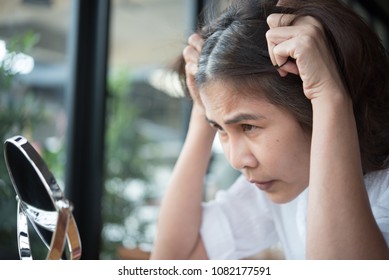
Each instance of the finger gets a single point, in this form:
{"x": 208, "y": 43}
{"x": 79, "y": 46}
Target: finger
{"x": 285, "y": 57}
{"x": 281, "y": 34}
{"x": 191, "y": 69}
{"x": 196, "y": 41}
{"x": 275, "y": 37}
{"x": 308, "y": 20}
{"x": 191, "y": 84}
{"x": 278, "y": 36}
{"x": 284, "y": 51}
{"x": 277, "y": 20}
{"x": 292, "y": 41}
{"x": 190, "y": 54}
{"x": 288, "y": 67}
{"x": 191, "y": 81}
{"x": 282, "y": 72}
{"x": 285, "y": 41}
{"x": 270, "y": 47}
{"x": 282, "y": 20}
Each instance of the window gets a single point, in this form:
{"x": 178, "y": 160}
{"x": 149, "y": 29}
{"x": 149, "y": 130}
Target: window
{"x": 34, "y": 70}
{"x": 145, "y": 119}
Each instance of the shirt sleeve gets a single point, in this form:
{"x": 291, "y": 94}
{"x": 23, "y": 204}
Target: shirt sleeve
{"x": 237, "y": 223}
{"x": 378, "y": 188}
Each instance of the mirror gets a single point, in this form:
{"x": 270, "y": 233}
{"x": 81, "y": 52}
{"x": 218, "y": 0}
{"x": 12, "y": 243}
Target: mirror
{"x": 40, "y": 202}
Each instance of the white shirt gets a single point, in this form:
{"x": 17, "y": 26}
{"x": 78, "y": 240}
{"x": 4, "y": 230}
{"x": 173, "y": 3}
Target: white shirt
{"x": 242, "y": 221}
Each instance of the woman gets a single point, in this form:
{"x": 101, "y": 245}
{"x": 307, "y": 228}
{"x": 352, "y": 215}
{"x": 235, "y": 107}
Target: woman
{"x": 299, "y": 96}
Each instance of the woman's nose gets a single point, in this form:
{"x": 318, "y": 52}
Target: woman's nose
{"x": 240, "y": 155}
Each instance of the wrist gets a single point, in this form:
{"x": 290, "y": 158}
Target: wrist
{"x": 198, "y": 126}
{"x": 333, "y": 100}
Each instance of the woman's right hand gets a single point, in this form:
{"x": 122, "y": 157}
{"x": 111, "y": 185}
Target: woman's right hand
{"x": 191, "y": 55}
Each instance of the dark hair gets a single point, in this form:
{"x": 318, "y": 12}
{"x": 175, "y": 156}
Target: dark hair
{"x": 235, "y": 50}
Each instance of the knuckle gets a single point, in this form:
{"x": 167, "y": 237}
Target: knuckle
{"x": 309, "y": 35}
{"x": 191, "y": 38}
{"x": 196, "y": 41}
{"x": 187, "y": 53}
{"x": 190, "y": 69}
{"x": 272, "y": 19}
{"x": 305, "y": 41}
{"x": 313, "y": 30}
{"x": 315, "y": 23}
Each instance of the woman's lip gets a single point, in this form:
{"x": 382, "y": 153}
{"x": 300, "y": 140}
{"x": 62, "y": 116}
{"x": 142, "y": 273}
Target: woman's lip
{"x": 263, "y": 186}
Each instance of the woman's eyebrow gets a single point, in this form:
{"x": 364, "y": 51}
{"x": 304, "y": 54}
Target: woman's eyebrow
{"x": 237, "y": 119}
{"x": 243, "y": 117}
{"x": 211, "y": 121}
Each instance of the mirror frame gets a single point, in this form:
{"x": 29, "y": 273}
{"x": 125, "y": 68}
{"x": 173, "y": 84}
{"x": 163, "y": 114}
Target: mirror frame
{"x": 59, "y": 222}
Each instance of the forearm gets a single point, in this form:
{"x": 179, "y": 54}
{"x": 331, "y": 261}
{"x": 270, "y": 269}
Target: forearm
{"x": 180, "y": 213}
{"x": 340, "y": 224}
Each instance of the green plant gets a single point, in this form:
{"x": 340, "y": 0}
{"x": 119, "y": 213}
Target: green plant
{"x": 19, "y": 111}
{"x": 126, "y": 169}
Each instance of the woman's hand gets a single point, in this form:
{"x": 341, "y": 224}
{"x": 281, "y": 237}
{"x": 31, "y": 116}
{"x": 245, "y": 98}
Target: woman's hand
{"x": 337, "y": 194}
{"x": 191, "y": 54}
{"x": 305, "y": 42}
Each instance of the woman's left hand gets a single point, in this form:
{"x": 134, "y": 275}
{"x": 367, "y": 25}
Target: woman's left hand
{"x": 305, "y": 42}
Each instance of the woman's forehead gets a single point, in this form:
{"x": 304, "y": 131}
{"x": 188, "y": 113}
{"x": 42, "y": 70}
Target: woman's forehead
{"x": 225, "y": 92}
{"x": 219, "y": 99}
{"x": 223, "y": 102}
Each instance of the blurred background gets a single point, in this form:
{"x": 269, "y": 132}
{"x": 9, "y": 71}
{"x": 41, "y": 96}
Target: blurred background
{"x": 90, "y": 84}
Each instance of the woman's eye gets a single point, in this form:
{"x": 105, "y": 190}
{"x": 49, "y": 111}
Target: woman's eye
{"x": 217, "y": 127}
{"x": 248, "y": 127}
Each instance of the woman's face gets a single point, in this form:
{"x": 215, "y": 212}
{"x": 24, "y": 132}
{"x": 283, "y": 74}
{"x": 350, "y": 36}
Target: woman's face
{"x": 263, "y": 141}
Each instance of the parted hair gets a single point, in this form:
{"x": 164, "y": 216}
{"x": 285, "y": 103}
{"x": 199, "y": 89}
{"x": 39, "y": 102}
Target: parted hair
{"x": 235, "y": 50}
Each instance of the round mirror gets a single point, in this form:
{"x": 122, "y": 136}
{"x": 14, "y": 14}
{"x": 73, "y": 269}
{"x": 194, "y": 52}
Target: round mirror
{"x": 41, "y": 202}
